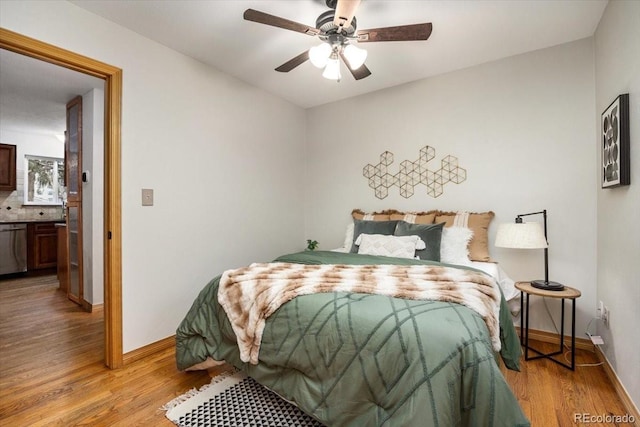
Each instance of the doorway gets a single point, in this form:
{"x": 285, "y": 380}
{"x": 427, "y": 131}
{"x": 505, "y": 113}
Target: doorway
{"x": 112, "y": 232}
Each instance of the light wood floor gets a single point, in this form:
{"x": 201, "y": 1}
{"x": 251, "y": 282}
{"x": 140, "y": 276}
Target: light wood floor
{"x": 51, "y": 371}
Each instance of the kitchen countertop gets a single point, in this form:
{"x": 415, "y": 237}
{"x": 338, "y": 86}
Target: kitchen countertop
{"x": 31, "y": 221}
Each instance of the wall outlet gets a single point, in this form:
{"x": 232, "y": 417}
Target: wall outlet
{"x": 605, "y": 316}
{"x": 600, "y": 310}
{"x": 596, "y": 339}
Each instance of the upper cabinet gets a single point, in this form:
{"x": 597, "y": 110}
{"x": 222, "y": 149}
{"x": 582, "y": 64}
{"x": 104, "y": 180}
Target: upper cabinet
{"x": 73, "y": 150}
{"x": 7, "y": 167}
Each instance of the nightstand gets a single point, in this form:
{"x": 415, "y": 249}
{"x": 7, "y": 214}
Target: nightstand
{"x": 567, "y": 293}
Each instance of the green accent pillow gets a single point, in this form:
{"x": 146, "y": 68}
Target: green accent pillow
{"x": 371, "y": 227}
{"x": 431, "y": 234}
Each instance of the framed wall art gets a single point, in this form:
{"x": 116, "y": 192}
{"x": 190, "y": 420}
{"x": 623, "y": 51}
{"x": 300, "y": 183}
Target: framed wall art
{"x": 615, "y": 143}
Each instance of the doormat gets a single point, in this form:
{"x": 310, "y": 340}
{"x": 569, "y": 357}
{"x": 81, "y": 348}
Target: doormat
{"x": 234, "y": 399}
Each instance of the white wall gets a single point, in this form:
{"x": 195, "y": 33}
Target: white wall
{"x": 93, "y": 196}
{"x": 617, "y": 59}
{"x": 223, "y": 158}
{"x": 522, "y": 127}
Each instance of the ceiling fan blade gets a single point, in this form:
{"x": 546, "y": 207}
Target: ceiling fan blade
{"x": 396, "y": 34}
{"x": 276, "y": 21}
{"x": 345, "y": 11}
{"x": 294, "y": 62}
{"x": 358, "y": 73}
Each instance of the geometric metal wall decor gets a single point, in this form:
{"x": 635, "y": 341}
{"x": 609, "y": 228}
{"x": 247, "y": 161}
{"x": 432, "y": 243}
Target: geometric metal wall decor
{"x": 413, "y": 173}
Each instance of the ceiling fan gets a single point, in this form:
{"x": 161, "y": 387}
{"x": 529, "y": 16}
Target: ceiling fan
{"x": 337, "y": 29}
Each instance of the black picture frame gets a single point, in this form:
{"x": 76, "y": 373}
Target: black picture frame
{"x": 614, "y": 137}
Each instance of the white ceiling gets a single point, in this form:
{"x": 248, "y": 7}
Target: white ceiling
{"x": 34, "y": 94}
{"x": 465, "y": 33}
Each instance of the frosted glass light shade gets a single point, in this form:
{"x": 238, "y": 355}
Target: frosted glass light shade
{"x": 526, "y": 235}
{"x": 354, "y": 56}
{"x": 319, "y": 55}
{"x": 332, "y": 70}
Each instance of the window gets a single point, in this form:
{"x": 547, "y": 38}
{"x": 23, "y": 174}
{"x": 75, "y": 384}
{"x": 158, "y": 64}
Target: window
{"x": 43, "y": 180}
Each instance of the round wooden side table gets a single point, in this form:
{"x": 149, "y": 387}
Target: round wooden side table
{"x": 567, "y": 293}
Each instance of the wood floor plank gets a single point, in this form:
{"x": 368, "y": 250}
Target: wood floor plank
{"x": 52, "y": 371}
{"x": 551, "y": 395}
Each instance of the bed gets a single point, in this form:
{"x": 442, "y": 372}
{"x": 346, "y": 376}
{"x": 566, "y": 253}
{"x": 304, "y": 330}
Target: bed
{"x": 351, "y": 358}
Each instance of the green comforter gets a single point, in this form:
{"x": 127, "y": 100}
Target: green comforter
{"x": 368, "y": 360}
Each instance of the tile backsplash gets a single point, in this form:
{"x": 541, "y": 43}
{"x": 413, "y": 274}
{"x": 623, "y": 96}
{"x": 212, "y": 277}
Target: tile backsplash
{"x": 12, "y": 208}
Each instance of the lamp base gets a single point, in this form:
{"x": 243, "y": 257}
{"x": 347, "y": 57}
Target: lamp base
{"x": 547, "y": 286}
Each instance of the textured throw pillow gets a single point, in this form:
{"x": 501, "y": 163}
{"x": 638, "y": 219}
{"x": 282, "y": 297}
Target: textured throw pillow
{"x": 454, "y": 247}
{"x": 478, "y": 223}
{"x": 414, "y": 217}
{"x": 359, "y": 214}
{"x": 371, "y": 227}
{"x": 431, "y": 234}
{"x": 372, "y": 216}
{"x": 393, "y": 246}
{"x": 348, "y": 237}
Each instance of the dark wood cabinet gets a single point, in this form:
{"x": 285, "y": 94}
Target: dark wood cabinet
{"x": 7, "y": 167}
{"x": 63, "y": 276}
{"x": 73, "y": 151}
{"x": 42, "y": 245}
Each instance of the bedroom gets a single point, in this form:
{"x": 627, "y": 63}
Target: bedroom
{"x": 535, "y": 95}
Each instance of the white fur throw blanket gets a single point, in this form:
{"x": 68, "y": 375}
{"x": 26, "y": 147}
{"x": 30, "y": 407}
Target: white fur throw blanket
{"x": 251, "y": 294}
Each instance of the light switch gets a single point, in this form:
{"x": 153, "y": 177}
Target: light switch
{"x": 147, "y": 197}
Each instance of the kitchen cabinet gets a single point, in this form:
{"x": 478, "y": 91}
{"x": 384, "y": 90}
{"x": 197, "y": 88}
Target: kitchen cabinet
{"x": 74, "y": 241}
{"x": 63, "y": 267}
{"x": 42, "y": 245}
{"x": 73, "y": 151}
{"x": 7, "y": 167}
{"x": 73, "y": 172}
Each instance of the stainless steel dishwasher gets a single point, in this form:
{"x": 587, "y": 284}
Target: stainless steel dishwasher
{"x": 13, "y": 248}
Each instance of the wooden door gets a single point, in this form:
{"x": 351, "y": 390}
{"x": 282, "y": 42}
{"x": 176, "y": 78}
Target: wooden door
{"x": 73, "y": 173}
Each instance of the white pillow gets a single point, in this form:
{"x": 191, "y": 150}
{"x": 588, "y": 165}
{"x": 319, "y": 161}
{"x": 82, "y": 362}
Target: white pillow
{"x": 348, "y": 237}
{"x": 454, "y": 246}
{"x": 393, "y": 246}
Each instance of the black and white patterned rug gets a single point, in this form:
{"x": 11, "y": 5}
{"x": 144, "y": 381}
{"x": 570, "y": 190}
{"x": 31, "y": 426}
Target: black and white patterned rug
{"x": 235, "y": 400}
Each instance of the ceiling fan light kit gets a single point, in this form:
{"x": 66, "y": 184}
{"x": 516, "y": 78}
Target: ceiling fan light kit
{"x": 337, "y": 31}
{"x": 332, "y": 70}
{"x": 319, "y": 55}
{"x": 327, "y": 57}
{"x": 355, "y": 56}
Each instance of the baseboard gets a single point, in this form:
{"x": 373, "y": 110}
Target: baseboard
{"x": 149, "y": 350}
{"x": 553, "y": 338}
{"x": 91, "y": 308}
{"x": 96, "y": 307}
{"x": 628, "y": 404}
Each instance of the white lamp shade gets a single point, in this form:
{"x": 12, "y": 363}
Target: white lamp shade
{"x": 319, "y": 55}
{"x": 354, "y": 56}
{"x": 332, "y": 70}
{"x": 525, "y": 235}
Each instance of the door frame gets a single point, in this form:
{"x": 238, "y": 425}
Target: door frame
{"x": 112, "y": 232}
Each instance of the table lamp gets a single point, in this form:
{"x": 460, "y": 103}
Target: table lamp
{"x": 528, "y": 235}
